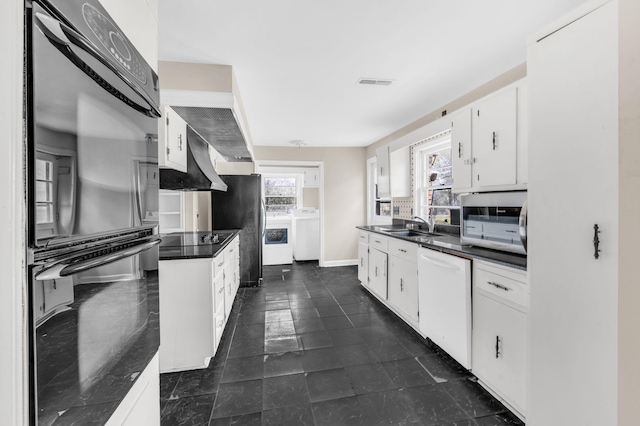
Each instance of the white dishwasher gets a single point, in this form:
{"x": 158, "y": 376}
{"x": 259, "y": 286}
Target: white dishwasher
{"x": 445, "y": 302}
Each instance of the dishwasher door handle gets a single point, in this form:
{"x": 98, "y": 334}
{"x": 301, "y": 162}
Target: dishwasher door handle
{"x": 440, "y": 264}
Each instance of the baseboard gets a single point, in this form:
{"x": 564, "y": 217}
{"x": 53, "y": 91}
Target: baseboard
{"x": 334, "y": 263}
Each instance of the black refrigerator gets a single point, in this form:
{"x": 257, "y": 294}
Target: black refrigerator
{"x": 241, "y": 207}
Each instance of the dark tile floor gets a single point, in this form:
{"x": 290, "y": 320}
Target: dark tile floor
{"x": 312, "y": 347}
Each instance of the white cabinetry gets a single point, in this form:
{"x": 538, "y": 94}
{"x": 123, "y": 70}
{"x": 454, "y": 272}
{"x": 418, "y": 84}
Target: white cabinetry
{"x": 196, "y": 296}
{"x": 141, "y": 405}
{"x": 500, "y": 331}
{"x": 172, "y": 141}
{"x": 494, "y": 140}
{"x": 445, "y": 302}
{"x": 489, "y": 143}
{"x": 382, "y": 172}
{"x": 403, "y": 279}
{"x": 363, "y": 257}
{"x": 171, "y": 212}
{"x": 378, "y": 263}
{"x": 461, "y": 155}
{"x": 400, "y": 168}
{"x": 573, "y": 76}
{"x": 311, "y": 178}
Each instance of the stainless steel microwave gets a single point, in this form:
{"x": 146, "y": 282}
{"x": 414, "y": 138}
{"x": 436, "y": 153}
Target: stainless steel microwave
{"x": 496, "y": 220}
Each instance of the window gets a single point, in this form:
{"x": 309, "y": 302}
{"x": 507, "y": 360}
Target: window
{"x": 280, "y": 193}
{"x": 45, "y": 194}
{"x": 433, "y": 184}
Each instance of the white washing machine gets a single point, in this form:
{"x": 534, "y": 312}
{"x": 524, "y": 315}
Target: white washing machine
{"x": 277, "y": 246}
{"x": 306, "y": 234}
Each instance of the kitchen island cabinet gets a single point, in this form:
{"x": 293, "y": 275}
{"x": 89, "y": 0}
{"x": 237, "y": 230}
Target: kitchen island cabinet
{"x": 196, "y": 296}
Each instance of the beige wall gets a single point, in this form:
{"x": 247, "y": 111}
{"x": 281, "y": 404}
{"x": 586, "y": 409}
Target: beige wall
{"x": 344, "y": 193}
{"x": 629, "y": 210}
{"x": 491, "y": 86}
{"x": 228, "y": 168}
{"x": 311, "y": 197}
{"x": 197, "y": 77}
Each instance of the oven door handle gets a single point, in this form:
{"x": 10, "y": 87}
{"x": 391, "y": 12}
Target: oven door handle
{"x": 63, "y": 37}
{"x": 522, "y": 225}
{"x": 75, "y": 264}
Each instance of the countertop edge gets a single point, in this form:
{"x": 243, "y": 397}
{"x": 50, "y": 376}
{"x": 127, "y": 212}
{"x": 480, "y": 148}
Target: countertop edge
{"x": 468, "y": 252}
{"x": 219, "y": 249}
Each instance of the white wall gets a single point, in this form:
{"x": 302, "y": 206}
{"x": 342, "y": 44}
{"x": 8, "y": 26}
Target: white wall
{"x": 12, "y": 315}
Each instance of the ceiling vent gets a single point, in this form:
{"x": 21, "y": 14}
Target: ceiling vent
{"x": 375, "y": 81}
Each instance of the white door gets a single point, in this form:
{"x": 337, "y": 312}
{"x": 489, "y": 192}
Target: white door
{"x": 378, "y": 272}
{"x": 499, "y": 348}
{"x": 363, "y": 263}
{"x": 573, "y": 181}
{"x": 461, "y": 155}
{"x": 494, "y": 141}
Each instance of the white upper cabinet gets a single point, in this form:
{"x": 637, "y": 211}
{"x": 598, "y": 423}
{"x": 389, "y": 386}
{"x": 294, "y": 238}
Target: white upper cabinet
{"x": 172, "y": 141}
{"x": 494, "y": 140}
{"x": 489, "y": 143}
{"x": 312, "y": 178}
{"x": 382, "y": 172}
{"x": 400, "y": 168}
{"x": 461, "y": 156}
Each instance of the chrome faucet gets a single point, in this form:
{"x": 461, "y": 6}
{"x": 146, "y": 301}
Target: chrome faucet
{"x": 429, "y": 222}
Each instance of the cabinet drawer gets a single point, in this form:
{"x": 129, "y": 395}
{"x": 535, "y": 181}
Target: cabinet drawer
{"x": 403, "y": 250}
{"x": 510, "y": 286}
{"x": 229, "y": 253}
{"x": 217, "y": 265}
{"x": 379, "y": 242}
{"x": 363, "y": 237}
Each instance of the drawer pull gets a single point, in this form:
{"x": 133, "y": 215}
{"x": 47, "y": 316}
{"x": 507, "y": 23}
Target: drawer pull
{"x": 402, "y": 250}
{"x": 377, "y": 241}
{"x": 500, "y": 286}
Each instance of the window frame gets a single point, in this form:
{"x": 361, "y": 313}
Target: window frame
{"x": 421, "y": 189}
{"x": 298, "y": 179}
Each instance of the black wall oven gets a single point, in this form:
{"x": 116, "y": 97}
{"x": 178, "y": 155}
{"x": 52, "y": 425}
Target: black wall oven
{"x": 92, "y": 187}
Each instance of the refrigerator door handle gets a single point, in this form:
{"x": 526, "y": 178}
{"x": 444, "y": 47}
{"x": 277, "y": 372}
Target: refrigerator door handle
{"x": 264, "y": 211}
{"x": 78, "y": 263}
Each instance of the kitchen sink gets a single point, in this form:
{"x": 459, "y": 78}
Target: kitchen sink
{"x": 411, "y": 233}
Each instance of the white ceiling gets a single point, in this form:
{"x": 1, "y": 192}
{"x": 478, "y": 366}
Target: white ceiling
{"x": 297, "y": 61}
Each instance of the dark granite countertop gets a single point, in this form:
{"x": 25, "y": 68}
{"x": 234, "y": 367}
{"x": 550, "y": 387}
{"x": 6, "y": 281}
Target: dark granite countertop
{"x": 89, "y": 356}
{"x": 195, "y": 245}
{"x": 450, "y": 244}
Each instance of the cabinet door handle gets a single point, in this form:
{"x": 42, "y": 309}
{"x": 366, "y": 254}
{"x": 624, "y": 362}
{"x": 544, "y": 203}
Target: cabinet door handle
{"x": 384, "y": 271}
{"x": 362, "y": 262}
{"x": 494, "y": 141}
{"x": 401, "y": 284}
{"x": 55, "y": 285}
{"x": 459, "y": 149}
{"x": 596, "y": 241}
{"x": 381, "y": 171}
{"x": 497, "y": 346}
{"x": 376, "y": 274}
{"x": 500, "y": 286}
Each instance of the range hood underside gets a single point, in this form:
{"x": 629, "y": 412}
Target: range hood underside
{"x": 217, "y": 126}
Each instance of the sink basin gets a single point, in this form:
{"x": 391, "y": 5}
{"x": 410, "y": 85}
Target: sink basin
{"x": 411, "y": 233}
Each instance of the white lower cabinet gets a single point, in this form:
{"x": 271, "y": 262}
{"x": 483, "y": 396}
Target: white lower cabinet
{"x": 141, "y": 405}
{"x": 403, "y": 279}
{"x": 363, "y": 263}
{"x": 378, "y": 272}
{"x": 196, "y": 296}
{"x": 500, "y": 332}
{"x": 403, "y": 287}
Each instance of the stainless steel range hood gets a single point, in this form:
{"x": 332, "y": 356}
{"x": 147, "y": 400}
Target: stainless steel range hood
{"x": 200, "y": 176}
{"x": 216, "y": 117}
